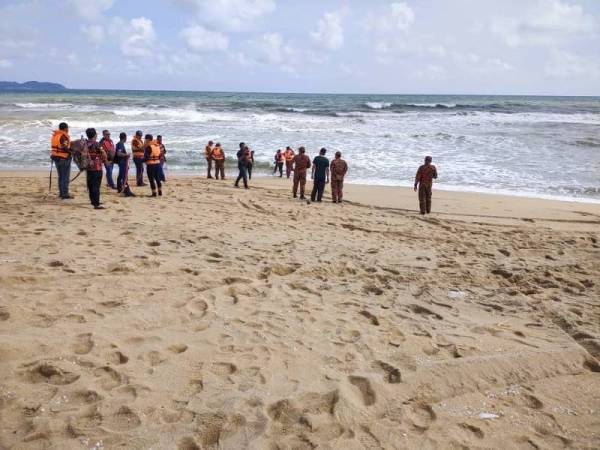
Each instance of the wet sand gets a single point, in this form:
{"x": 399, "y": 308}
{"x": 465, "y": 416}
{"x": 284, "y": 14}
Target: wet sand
{"x": 217, "y": 317}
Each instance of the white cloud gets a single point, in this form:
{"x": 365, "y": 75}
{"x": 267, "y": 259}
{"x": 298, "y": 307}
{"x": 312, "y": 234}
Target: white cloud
{"x": 139, "y": 38}
{"x": 200, "y": 39}
{"x": 270, "y": 48}
{"x": 566, "y": 65}
{"x": 90, "y": 10}
{"x": 396, "y": 17}
{"x": 550, "y": 22}
{"x": 231, "y": 15}
{"x": 5, "y": 63}
{"x": 329, "y": 32}
{"x": 94, "y": 33}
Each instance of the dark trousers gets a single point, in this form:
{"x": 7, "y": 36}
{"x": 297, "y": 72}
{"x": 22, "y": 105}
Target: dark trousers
{"x": 209, "y": 167}
{"x": 425, "y": 199}
{"x": 94, "y": 181}
{"x": 161, "y": 171}
{"x": 278, "y": 166}
{"x": 139, "y": 171}
{"x": 63, "y": 168}
{"x": 249, "y": 169}
{"x": 299, "y": 182}
{"x": 243, "y": 175}
{"x": 220, "y": 168}
{"x": 109, "y": 178}
{"x": 153, "y": 171}
{"x": 288, "y": 167}
{"x": 337, "y": 187}
{"x": 122, "y": 182}
{"x": 317, "y": 190}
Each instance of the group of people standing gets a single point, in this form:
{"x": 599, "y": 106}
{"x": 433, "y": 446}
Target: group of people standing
{"x": 93, "y": 155}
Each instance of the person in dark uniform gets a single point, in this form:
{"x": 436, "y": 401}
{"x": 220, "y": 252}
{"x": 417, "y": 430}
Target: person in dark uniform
{"x": 301, "y": 163}
{"x": 242, "y": 157}
{"x": 424, "y": 184}
{"x": 320, "y": 175}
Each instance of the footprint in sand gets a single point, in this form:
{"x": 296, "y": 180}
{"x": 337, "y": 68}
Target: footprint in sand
{"x": 364, "y": 386}
{"x": 4, "y": 314}
{"x": 123, "y": 419}
{"x": 46, "y": 372}
{"x": 223, "y": 368}
{"x": 420, "y": 415}
{"x": 187, "y": 443}
{"x": 390, "y": 373}
{"x": 178, "y": 348}
{"x": 108, "y": 378}
{"x": 116, "y": 357}
{"x": 83, "y": 344}
{"x": 373, "y": 319}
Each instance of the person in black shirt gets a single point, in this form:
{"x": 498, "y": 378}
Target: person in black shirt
{"x": 122, "y": 160}
{"x": 242, "y": 157}
{"x": 320, "y": 175}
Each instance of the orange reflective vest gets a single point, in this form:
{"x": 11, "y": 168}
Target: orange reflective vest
{"x": 289, "y": 155}
{"x": 58, "y": 148}
{"x": 137, "y": 147}
{"x": 154, "y": 153}
{"x": 217, "y": 153}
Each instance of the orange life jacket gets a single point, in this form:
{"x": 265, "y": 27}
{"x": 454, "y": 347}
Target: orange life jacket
{"x": 154, "y": 154}
{"x": 289, "y": 155}
{"x": 137, "y": 147}
{"x": 217, "y": 153}
{"x": 57, "y": 149}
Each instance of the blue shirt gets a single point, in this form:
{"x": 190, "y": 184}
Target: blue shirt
{"x": 120, "y": 148}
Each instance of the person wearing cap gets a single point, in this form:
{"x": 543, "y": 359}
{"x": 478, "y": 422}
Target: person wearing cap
{"x": 320, "y": 175}
{"x": 137, "y": 149}
{"x": 152, "y": 160}
{"x": 338, "y": 171}
{"x": 163, "y": 158}
{"x": 301, "y": 165}
{"x": 242, "y": 157}
{"x": 424, "y": 184}
{"x": 109, "y": 147}
{"x": 209, "y": 161}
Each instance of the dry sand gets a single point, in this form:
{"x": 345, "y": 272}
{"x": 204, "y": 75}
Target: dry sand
{"x": 232, "y": 319}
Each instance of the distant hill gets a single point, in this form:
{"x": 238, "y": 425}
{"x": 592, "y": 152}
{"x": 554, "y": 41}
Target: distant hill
{"x": 39, "y": 86}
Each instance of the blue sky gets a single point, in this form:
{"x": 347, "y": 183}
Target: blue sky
{"x": 355, "y": 46}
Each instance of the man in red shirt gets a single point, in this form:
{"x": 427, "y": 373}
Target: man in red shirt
{"x": 423, "y": 183}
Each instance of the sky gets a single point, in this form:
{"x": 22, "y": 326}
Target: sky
{"x": 537, "y": 47}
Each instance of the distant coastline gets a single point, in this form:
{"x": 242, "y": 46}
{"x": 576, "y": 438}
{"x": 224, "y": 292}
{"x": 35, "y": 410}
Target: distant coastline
{"x": 31, "y": 86}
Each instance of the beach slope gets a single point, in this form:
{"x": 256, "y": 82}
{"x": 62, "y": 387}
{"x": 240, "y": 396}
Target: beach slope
{"x": 223, "y": 318}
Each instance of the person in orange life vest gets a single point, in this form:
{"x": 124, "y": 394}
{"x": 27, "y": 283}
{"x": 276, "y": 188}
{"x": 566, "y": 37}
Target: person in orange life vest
{"x": 109, "y": 148}
{"x": 209, "y": 162}
{"x": 338, "y": 169}
{"x": 97, "y": 157}
{"x": 137, "y": 149}
{"x": 424, "y": 183}
{"x": 218, "y": 156}
{"x": 301, "y": 165}
{"x": 289, "y": 160}
{"x": 60, "y": 153}
{"x": 163, "y": 158}
{"x": 152, "y": 160}
{"x": 279, "y": 159}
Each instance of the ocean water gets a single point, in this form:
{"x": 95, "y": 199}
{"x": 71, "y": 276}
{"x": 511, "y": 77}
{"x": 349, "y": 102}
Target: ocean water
{"x": 534, "y": 146}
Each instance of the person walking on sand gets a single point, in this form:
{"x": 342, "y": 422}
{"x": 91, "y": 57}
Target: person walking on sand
{"x": 338, "y": 169}
{"x": 109, "y": 148}
{"x": 137, "y": 149}
{"x": 319, "y": 175}
{"x": 209, "y": 161}
{"x": 289, "y": 160}
{"x": 122, "y": 160}
{"x": 424, "y": 183}
{"x": 218, "y": 156}
{"x": 279, "y": 158}
{"x": 152, "y": 160}
{"x": 301, "y": 164}
{"x": 242, "y": 157}
{"x": 60, "y": 154}
{"x": 163, "y": 159}
{"x": 96, "y": 159}
{"x": 250, "y": 161}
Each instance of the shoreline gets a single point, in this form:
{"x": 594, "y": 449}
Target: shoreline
{"x": 453, "y": 189}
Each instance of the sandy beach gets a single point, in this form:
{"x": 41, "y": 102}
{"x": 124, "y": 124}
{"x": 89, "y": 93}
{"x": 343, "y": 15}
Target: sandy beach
{"x": 222, "y": 318}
